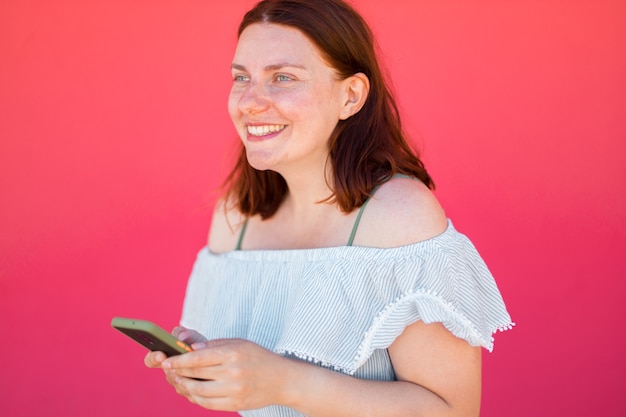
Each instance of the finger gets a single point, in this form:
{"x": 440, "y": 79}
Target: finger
{"x": 207, "y": 344}
{"x": 204, "y": 373}
{"x": 211, "y": 396}
{"x": 188, "y": 336}
{"x": 154, "y": 359}
{"x": 174, "y": 380}
{"x": 214, "y": 403}
{"x": 207, "y": 356}
{"x": 199, "y": 388}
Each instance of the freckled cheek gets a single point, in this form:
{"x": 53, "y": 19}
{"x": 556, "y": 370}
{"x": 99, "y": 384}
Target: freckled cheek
{"x": 295, "y": 106}
{"x": 233, "y": 106}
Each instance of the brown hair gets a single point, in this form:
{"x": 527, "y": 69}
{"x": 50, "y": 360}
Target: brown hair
{"x": 366, "y": 149}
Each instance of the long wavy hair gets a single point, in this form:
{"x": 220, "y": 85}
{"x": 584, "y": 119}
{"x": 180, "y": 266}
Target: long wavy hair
{"x": 366, "y": 149}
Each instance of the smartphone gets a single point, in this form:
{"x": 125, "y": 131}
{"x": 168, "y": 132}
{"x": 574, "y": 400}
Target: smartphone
{"x": 150, "y": 335}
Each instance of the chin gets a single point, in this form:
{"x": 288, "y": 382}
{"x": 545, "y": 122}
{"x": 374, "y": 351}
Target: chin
{"x": 261, "y": 162}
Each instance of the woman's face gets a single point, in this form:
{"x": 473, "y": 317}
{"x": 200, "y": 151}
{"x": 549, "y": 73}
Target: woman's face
{"x": 285, "y": 100}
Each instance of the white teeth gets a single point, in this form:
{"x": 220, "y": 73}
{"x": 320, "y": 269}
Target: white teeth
{"x": 264, "y": 130}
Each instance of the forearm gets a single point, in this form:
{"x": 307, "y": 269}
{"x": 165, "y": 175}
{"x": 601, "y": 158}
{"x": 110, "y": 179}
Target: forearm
{"x": 317, "y": 392}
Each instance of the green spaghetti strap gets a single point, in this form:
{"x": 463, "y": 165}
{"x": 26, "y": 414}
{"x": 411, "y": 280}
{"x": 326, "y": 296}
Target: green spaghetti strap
{"x": 402, "y": 176}
{"x": 358, "y": 217}
{"x": 241, "y": 233}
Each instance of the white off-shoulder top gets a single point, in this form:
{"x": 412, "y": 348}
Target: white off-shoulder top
{"x": 342, "y": 307}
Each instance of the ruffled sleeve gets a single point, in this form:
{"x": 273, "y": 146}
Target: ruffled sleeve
{"x": 443, "y": 281}
{"x": 336, "y": 306}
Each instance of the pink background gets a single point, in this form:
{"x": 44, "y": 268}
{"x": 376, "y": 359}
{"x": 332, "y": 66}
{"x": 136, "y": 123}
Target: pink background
{"x": 113, "y": 131}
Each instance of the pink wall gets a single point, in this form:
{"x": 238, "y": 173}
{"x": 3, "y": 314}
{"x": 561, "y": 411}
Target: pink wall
{"x": 113, "y": 124}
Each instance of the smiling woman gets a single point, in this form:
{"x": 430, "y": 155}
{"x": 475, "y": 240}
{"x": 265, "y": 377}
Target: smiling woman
{"x": 303, "y": 302}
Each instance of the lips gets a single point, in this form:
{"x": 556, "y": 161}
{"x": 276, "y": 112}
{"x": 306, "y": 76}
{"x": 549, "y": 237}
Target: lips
{"x": 264, "y": 130}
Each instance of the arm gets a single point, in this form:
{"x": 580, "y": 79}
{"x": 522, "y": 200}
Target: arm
{"x": 438, "y": 375}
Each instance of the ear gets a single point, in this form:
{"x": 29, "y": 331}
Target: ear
{"x": 356, "y": 88}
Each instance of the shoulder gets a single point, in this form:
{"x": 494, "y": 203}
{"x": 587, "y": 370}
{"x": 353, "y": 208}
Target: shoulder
{"x": 401, "y": 212}
{"x": 225, "y": 227}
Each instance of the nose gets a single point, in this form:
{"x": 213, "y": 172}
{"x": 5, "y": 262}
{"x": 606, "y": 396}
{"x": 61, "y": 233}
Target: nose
{"x": 253, "y": 98}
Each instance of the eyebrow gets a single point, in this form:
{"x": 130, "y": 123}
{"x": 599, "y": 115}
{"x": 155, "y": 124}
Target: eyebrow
{"x": 271, "y": 67}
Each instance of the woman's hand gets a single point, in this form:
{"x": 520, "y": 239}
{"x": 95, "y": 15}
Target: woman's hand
{"x": 154, "y": 359}
{"x": 228, "y": 374}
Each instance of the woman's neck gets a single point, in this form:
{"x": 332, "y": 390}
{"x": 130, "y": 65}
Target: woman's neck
{"x": 306, "y": 189}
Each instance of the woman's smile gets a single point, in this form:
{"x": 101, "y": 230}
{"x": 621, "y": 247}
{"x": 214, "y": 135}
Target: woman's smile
{"x": 263, "y": 132}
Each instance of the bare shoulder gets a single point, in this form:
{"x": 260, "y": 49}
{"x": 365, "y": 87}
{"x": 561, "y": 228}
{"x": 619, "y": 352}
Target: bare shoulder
{"x": 401, "y": 212}
{"x": 225, "y": 227}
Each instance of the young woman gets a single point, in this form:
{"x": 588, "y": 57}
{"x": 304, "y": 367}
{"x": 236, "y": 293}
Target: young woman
{"x": 333, "y": 283}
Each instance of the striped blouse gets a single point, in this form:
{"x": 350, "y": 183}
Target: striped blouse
{"x": 342, "y": 307}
